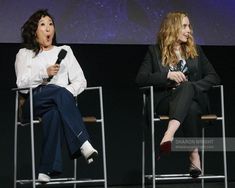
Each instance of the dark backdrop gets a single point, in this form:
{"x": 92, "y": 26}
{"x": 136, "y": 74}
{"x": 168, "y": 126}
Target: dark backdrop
{"x": 113, "y": 67}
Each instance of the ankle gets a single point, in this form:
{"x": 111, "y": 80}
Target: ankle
{"x": 170, "y": 132}
{"x": 195, "y": 159}
{"x": 87, "y": 149}
{"x": 167, "y": 137}
{"x": 194, "y": 155}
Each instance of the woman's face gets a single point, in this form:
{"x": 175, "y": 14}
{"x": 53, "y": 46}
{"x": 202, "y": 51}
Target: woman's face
{"x": 184, "y": 31}
{"x": 45, "y": 32}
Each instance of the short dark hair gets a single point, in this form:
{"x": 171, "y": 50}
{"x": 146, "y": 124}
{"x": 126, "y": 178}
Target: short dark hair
{"x": 28, "y": 30}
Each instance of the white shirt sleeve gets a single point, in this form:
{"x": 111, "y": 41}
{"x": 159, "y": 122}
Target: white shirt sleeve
{"x": 31, "y": 70}
{"x": 75, "y": 74}
{"x": 28, "y": 74}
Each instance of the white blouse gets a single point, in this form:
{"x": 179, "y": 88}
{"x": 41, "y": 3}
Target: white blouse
{"x": 31, "y": 69}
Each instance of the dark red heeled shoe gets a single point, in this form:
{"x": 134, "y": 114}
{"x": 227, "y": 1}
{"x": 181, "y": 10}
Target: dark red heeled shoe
{"x": 165, "y": 148}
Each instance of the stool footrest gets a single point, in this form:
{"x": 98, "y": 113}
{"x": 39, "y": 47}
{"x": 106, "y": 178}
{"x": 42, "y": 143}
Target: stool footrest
{"x": 183, "y": 177}
{"x": 61, "y": 181}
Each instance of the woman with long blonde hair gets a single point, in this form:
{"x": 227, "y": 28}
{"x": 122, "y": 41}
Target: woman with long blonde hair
{"x": 181, "y": 74}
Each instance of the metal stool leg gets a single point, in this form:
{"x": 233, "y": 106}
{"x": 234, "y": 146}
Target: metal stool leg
{"x": 75, "y": 173}
{"x": 143, "y": 143}
{"x": 32, "y": 136}
{"x": 143, "y": 164}
{"x": 153, "y": 138}
{"x": 223, "y": 135}
{"x": 103, "y": 136}
{"x": 15, "y": 139}
{"x": 203, "y": 156}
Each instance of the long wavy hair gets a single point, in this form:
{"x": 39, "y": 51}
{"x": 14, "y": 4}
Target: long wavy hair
{"x": 28, "y": 31}
{"x": 168, "y": 36}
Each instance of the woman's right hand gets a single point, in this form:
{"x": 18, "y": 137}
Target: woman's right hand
{"x": 53, "y": 70}
{"x": 176, "y": 76}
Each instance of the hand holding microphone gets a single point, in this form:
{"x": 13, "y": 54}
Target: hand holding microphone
{"x": 53, "y": 69}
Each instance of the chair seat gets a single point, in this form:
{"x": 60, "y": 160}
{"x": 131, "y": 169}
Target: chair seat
{"x": 209, "y": 117}
{"x": 89, "y": 119}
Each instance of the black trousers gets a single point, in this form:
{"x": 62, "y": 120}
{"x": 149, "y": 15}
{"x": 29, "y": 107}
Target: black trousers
{"x": 182, "y": 104}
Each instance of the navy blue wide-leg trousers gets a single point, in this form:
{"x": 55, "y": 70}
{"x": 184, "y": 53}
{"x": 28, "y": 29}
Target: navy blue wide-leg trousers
{"x": 61, "y": 122}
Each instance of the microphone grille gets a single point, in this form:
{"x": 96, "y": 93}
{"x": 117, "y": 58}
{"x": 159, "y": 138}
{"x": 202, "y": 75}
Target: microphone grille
{"x": 62, "y": 54}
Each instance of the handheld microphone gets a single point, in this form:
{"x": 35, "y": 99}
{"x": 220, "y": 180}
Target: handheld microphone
{"x": 61, "y": 56}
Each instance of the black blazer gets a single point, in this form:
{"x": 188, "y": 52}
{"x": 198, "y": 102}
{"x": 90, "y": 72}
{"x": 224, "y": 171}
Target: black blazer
{"x": 201, "y": 74}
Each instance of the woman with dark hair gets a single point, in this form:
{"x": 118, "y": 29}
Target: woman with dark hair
{"x": 181, "y": 75}
{"x": 29, "y": 30}
{"x": 55, "y": 85}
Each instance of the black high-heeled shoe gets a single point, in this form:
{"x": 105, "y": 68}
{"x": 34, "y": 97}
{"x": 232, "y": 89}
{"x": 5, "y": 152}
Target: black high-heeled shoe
{"x": 194, "y": 171}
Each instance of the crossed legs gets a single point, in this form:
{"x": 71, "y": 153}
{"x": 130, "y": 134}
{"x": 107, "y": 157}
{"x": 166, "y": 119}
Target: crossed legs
{"x": 183, "y": 111}
{"x": 61, "y": 121}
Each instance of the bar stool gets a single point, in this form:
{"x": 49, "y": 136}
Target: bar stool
{"x": 58, "y": 181}
{"x": 149, "y": 90}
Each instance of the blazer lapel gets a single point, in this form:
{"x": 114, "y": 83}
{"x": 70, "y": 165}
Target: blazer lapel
{"x": 192, "y": 68}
